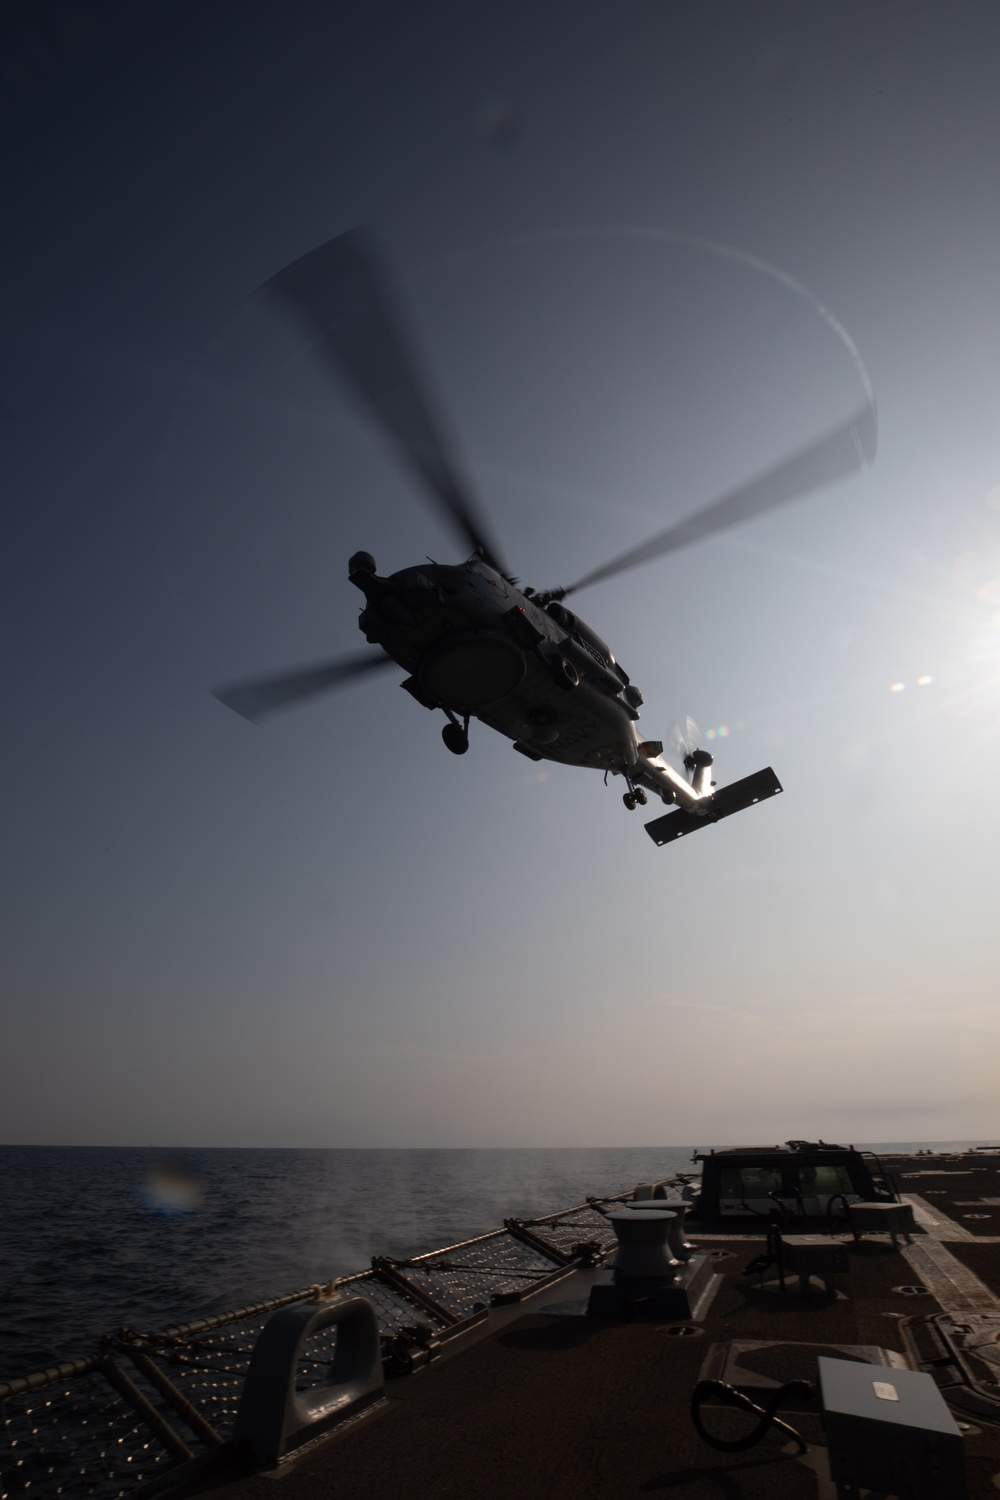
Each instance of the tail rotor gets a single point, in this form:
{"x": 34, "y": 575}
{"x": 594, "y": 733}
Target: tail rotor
{"x": 684, "y": 741}
{"x": 685, "y": 745}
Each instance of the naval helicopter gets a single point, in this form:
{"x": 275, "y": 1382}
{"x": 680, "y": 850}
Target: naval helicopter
{"x": 472, "y": 641}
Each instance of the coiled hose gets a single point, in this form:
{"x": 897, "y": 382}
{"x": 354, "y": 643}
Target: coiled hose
{"x": 730, "y": 1396}
{"x": 833, "y": 1223}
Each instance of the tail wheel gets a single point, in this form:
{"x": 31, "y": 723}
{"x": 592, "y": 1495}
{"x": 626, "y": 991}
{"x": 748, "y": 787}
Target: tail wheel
{"x": 455, "y": 738}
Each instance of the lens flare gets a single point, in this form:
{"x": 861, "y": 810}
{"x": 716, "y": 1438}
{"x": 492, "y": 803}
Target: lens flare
{"x": 172, "y": 1188}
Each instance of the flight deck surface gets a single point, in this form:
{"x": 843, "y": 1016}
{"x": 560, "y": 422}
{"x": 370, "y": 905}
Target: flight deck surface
{"x": 558, "y": 1404}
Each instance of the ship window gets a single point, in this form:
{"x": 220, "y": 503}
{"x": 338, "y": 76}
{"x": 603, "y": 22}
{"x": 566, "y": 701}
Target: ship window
{"x": 824, "y": 1180}
{"x": 743, "y": 1183}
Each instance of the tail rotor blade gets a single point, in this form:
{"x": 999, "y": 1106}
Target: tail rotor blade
{"x": 684, "y": 738}
{"x": 257, "y": 696}
{"x": 841, "y": 453}
{"x": 342, "y": 298}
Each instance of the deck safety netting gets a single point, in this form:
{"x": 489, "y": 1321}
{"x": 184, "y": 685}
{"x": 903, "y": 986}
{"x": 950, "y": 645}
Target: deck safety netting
{"x": 106, "y": 1426}
{"x": 576, "y": 1226}
{"x": 464, "y": 1280}
{"x": 207, "y": 1369}
{"x": 77, "y": 1438}
{"x": 393, "y": 1309}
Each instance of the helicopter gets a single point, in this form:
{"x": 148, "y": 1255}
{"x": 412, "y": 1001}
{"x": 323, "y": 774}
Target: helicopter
{"x": 474, "y": 643}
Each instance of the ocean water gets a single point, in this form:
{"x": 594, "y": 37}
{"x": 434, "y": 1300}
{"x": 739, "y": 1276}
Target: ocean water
{"x": 96, "y": 1238}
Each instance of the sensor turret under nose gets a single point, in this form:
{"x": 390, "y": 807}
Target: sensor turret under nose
{"x": 360, "y": 564}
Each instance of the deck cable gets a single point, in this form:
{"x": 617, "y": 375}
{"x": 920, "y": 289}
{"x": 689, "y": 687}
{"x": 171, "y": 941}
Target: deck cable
{"x": 728, "y": 1395}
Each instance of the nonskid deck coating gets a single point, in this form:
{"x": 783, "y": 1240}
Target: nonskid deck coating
{"x": 583, "y": 1409}
{"x": 962, "y": 1196}
{"x": 574, "y": 1407}
{"x": 550, "y": 1404}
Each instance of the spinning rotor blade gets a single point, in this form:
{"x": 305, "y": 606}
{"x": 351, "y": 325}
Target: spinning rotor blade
{"x": 839, "y": 454}
{"x": 339, "y": 294}
{"x": 685, "y": 739}
{"x": 260, "y": 695}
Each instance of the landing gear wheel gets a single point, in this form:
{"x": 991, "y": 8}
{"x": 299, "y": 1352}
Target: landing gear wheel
{"x": 640, "y": 796}
{"x": 629, "y": 801}
{"x": 455, "y": 738}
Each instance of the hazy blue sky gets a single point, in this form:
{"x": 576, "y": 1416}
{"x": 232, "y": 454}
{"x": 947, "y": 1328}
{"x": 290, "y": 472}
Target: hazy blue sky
{"x": 329, "y": 931}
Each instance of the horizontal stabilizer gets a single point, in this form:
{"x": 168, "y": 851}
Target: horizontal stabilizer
{"x": 727, "y": 800}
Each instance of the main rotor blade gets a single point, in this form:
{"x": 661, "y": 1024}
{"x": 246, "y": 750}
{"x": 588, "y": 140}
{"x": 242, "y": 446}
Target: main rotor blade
{"x": 839, "y": 454}
{"x": 260, "y": 695}
{"x": 342, "y": 297}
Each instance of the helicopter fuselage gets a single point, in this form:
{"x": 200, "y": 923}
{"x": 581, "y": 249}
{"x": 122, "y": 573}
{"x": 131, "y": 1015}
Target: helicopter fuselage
{"x": 478, "y": 647}
{"x": 474, "y": 644}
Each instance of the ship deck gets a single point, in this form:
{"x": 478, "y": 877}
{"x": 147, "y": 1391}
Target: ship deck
{"x": 547, "y": 1402}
